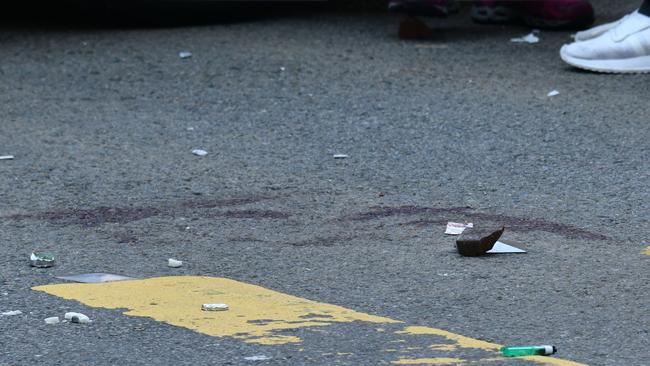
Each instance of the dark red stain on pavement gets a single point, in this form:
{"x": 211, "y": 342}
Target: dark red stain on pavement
{"x": 122, "y": 215}
{"x": 440, "y": 215}
{"x": 380, "y": 212}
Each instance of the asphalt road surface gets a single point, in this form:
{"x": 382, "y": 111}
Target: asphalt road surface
{"x": 349, "y": 254}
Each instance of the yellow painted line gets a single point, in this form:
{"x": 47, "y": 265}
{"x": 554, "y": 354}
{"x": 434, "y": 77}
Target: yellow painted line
{"x": 430, "y": 361}
{"x": 258, "y": 315}
{"x": 448, "y": 361}
{"x": 255, "y": 314}
{"x": 647, "y": 251}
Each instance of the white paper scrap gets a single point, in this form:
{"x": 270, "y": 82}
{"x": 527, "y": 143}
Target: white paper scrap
{"x": 341, "y": 156}
{"x": 11, "y": 313}
{"x": 529, "y": 38}
{"x": 173, "y": 263}
{"x": 456, "y": 228}
{"x": 95, "y": 278}
{"x": 501, "y": 247}
{"x": 257, "y": 358}
{"x": 214, "y": 307}
{"x": 6, "y": 157}
{"x": 553, "y": 93}
{"x": 199, "y": 152}
{"x": 52, "y": 320}
{"x": 77, "y": 318}
{"x": 184, "y": 54}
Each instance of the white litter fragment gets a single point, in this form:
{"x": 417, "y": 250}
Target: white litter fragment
{"x": 529, "y": 38}
{"x": 456, "y": 228}
{"x": 214, "y": 307}
{"x": 95, "y": 278}
{"x": 52, "y": 320}
{"x": 341, "y": 156}
{"x": 184, "y": 54}
{"x": 282, "y": 68}
{"x": 190, "y": 128}
{"x": 11, "y": 313}
{"x": 199, "y": 152}
{"x": 6, "y": 157}
{"x": 553, "y": 93}
{"x": 171, "y": 262}
{"x": 257, "y": 358}
{"x": 77, "y": 318}
{"x": 501, "y": 247}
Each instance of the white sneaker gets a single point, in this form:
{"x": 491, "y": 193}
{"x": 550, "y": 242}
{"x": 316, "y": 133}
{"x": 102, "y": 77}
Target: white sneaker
{"x": 625, "y": 48}
{"x": 597, "y": 31}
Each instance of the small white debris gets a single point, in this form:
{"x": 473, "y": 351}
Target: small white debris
{"x": 199, "y": 152}
{"x": 282, "y": 68}
{"x": 52, "y": 320}
{"x": 529, "y": 38}
{"x": 185, "y": 54}
{"x": 457, "y": 228}
{"x": 95, "y": 277}
{"x": 171, "y": 262}
{"x": 6, "y": 157}
{"x": 341, "y": 156}
{"x": 257, "y": 358}
{"x": 11, "y": 313}
{"x": 553, "y": 93}
{"x": 77, "y": 318}
{"x": 190, "y": 128}
{"x": 214, "y": 307}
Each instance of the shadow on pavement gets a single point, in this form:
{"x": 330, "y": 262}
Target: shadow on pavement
{"x": 161, "y": 13}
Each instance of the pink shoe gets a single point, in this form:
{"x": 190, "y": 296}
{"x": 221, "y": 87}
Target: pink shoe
{"x": 548, "y": 14}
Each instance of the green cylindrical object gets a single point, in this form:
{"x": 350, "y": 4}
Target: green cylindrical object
{"x": 516, "y": 351}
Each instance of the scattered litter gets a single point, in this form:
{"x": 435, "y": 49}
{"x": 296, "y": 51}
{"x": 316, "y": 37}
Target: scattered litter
{"x": 77, "y": 318}
{"x": 41, "y": 259}
{"x": 282, "y": 68}
{"x": 476, "y": 241}
{"x": 517, "y": 351}
{"x": 214, "y": 307}
{"x": 174, "y": 263}
{"x": 52, "y": 320}
{"x": 553, "y": 93}
{"x": 529, "y": 38}
{"x": 185, "y": 54}
{"x": 502, "y": 248}
{"x": 199, "y": 152}
{"x": 456, "y": 228}
{"x": 190, "y": 128}
{"x": 95, "y": 278}
{"x": 341, "y": 156}
{"x": 257, "y": 358}
{"x": 11, "y": 313}
{"x": 6, "y": 157}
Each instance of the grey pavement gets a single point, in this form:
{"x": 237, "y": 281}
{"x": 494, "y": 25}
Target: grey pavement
{"x": 102, "y": 122}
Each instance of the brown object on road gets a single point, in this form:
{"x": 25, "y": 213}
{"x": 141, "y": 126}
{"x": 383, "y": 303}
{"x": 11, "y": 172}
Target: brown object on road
{"x": 477, "y": 240}
{"x": 414, "y": 28}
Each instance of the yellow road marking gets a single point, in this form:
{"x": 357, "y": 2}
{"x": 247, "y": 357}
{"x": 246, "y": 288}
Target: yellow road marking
{"x": 255, "y": 314}
{"x": 647, "y": 251}
{"x": 429, "y": 361}
{"x": 259, "y": 315}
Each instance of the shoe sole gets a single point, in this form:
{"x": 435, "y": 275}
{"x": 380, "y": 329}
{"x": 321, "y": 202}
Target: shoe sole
{"x": 493, "y": 14}
{"x": 636, "y": 65}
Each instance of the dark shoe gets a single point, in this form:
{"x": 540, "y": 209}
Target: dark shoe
{"x": 431, "y": 8}
{"x": 548, "y": 14}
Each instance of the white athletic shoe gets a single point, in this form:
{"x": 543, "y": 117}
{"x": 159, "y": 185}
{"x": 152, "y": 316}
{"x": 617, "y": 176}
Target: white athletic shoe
{"x": 597, "y": 30}
{"x": 625, "y": 48}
